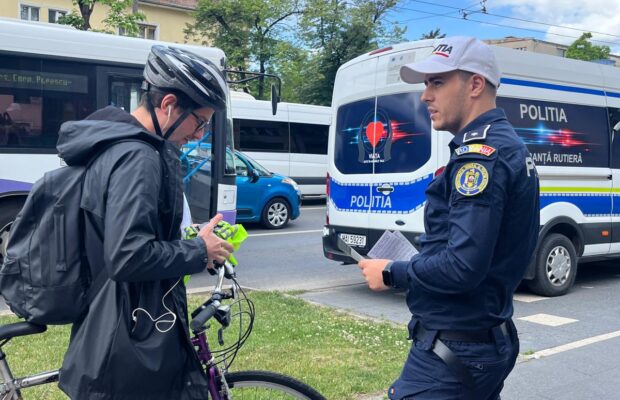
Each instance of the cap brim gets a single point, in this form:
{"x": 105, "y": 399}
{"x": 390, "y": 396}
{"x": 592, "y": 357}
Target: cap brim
{"x": 415, "y": 72}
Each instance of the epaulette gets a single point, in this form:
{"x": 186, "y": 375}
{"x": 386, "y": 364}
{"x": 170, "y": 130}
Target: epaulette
{"x": 478, "y": 134}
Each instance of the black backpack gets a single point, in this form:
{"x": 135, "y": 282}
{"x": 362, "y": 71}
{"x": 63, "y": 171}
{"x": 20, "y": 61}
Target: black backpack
{"x": 46, "y": 277}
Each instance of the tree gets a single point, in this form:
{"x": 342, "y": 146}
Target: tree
{"x": 582, "y": 49}
{"x": 337, "y": 31}
{"x": 433, "y": 34}
{"x": 248, "y": 31}
{"x": 118, "y": 17}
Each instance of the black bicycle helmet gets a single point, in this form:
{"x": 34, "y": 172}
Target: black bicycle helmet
{"x": 188, "y": 73}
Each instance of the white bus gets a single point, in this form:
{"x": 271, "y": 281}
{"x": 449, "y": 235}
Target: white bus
{"x": 292, "y": 143}
{"x": 50, "y": 74}
{"x": 566, "y": 111}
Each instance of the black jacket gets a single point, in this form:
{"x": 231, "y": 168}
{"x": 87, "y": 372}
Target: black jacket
{"x": 132, "y": 199}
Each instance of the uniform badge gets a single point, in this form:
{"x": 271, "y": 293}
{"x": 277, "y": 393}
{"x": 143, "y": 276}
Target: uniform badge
{"x": 475, "y": 148}
{"x": 471, "y": 179}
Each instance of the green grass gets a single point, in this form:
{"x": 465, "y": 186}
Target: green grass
{"x": 341, "y": 356}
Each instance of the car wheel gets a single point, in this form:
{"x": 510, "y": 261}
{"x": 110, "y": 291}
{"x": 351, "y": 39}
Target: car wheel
{"x": 556, "y": 266}
{"x": 276, "y": 213}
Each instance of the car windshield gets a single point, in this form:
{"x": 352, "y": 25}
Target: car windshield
{"x": 262, "y": 171}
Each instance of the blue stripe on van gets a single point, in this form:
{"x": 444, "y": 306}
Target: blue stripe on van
{"x": 590, "y": 204}
{"x": 520, "y": 82}
{"x": 405, "y": 198}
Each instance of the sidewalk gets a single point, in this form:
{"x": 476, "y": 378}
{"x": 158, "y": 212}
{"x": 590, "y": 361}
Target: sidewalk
{"x": 591, "y": 372}
{"x": 588, "y": 373}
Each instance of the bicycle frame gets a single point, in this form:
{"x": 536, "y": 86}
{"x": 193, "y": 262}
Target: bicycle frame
{"x": 10, "y": 388}
{"x": 206, "y": 358}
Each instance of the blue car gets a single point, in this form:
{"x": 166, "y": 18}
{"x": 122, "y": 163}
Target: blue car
{"x": 262, "y": 196}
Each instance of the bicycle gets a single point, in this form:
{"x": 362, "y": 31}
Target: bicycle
{"x": 222, "y": 384}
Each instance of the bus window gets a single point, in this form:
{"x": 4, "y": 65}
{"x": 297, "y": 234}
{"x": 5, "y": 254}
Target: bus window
{"x": 309, "y": 138}
{"x": 125, "y": 93}
{"x": 36, "y": 97}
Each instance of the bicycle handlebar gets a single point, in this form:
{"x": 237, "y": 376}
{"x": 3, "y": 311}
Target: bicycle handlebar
{"x": 203, "y": 316}
{"x": 209, "y": 309}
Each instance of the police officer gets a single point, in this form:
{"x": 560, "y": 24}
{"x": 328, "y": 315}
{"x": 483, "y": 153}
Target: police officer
{"x": 481, "y": 222}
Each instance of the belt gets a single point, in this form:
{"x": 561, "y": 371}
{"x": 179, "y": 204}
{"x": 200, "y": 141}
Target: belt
{"x": 478, "y": 336}
{"x": 448, "y": 357}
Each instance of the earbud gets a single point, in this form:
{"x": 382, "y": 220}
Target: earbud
{"x": 169, "y": 111}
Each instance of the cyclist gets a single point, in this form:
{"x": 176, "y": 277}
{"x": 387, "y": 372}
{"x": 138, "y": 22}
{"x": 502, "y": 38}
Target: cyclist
{"x": 134, "y": 341}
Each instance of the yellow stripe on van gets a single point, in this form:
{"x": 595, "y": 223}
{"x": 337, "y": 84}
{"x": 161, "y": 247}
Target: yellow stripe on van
{"x": 568, "y": 189}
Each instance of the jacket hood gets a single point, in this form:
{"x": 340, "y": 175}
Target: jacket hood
{"x": 78, "y": 141}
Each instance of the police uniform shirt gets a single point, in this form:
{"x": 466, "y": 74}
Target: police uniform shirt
{"x": 481, "y": 221}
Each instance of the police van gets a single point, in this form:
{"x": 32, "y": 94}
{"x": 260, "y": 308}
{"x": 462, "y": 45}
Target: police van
{"x": 383, "y": 153}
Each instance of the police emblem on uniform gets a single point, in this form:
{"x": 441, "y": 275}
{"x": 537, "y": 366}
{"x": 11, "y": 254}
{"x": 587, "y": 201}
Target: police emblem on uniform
{"x": 471, "y": 179}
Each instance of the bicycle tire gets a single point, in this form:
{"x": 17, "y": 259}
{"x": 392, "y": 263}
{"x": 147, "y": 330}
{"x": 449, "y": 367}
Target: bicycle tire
{"x": 265, "y": 385}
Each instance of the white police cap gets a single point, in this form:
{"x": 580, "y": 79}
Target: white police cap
{"x": 455, "y": 53}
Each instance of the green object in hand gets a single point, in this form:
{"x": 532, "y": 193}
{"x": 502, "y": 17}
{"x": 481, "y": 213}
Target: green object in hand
{"x": 233, "y": 234}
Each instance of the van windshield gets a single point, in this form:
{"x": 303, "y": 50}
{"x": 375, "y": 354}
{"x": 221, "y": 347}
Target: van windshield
{"x": 391, "y": 136}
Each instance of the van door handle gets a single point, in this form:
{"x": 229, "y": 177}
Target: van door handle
{"x": 386, "y": 188}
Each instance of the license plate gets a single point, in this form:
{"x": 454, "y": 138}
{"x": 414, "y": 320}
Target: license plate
{"x": 353, "y": 240}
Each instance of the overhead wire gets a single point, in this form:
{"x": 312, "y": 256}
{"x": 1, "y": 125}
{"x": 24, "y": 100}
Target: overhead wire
{"x": 497, "y": 24}
{"x": 514, "y": 18}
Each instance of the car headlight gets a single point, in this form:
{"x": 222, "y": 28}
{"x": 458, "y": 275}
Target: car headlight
{"x": 291, "y": 182}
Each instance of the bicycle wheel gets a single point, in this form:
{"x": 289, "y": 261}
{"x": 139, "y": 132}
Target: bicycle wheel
{"x": 264, "y": 385}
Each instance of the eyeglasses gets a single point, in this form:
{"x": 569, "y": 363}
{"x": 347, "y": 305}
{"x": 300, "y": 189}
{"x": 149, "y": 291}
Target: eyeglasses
{"x": 200, "y": 123}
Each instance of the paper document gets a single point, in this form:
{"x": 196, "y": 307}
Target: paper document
{"x": 393, "y": 245}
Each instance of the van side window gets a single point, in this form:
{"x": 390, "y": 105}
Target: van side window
{"x": 560, "y": 134}
{"x": 309, "y": 138}
{"x": 614, "y": 119}
{"x": 257, "y": 135}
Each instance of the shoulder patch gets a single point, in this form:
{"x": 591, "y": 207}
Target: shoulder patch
{"x": 471, "y": 179}
{"x": 478, "y": 134}
{"x": 475, "y": 148}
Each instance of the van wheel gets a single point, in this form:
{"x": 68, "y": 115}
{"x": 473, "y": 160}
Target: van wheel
{"x": 556, "y": 266}
{"x": 10, "y": 208}
{"x": 276, "y": 214}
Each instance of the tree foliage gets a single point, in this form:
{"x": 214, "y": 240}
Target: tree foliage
{"x": 433, "y": 34}
{"x": 582, "y": 49}
{"x": 339, "y": 31}
{"x": 118, "y": 16}
{"x": 302, "y": 41}
{"x": 247, "y": 30}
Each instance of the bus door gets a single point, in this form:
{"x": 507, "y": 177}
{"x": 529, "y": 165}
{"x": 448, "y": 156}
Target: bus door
{"x": 119, "y": 87}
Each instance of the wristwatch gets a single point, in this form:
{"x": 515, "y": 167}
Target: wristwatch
{"x": 387, "y": 275}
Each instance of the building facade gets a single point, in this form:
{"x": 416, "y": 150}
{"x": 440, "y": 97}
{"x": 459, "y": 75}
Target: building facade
{"x": 165, "y": 19}
{"x": 540, "y": 46}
